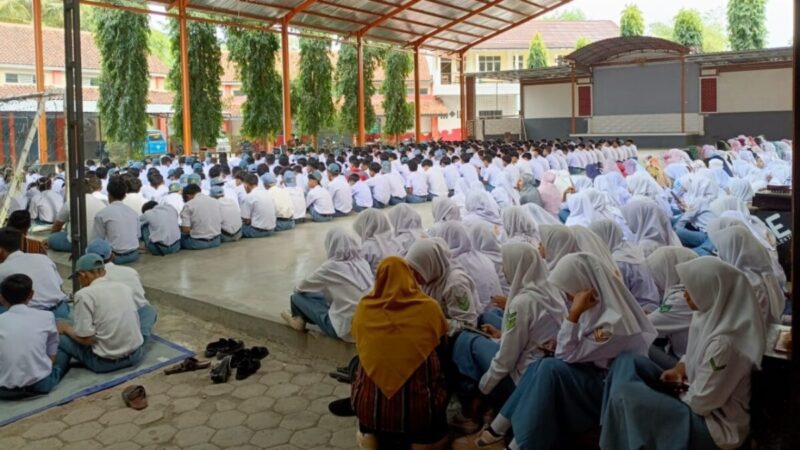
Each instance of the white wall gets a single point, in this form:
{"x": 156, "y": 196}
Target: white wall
{"x": 543, "y": 101}
{"x": 755, "y": 90}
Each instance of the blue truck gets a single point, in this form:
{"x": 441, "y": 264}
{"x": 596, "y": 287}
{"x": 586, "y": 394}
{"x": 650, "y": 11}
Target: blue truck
{"x": 155, "y": 143}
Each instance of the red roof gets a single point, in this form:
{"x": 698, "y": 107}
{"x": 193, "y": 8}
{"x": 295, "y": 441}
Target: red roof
{"x": 556, "y": 33}
{"x": 18, "y": 48}
{"x": 430, "y": 105}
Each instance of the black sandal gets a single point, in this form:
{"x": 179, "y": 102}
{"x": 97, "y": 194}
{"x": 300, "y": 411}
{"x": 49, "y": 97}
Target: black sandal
{"x": 231, "y": 346}
{"x": 222, "y": 371}
{"x": 247, "y": 367}
{"x": 213, "y": 347}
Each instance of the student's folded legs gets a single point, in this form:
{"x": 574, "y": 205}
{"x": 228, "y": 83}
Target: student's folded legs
{"x": 59, "y": 242}
{"x": 43, "y": 386}
{"x": 190, "y": 243}
{"x": 147, "y": 320}
{"x": 313, "y": 308}
{"x": 91, "y": 361}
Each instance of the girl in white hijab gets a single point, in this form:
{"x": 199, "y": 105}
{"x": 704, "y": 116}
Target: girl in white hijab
{"x": 737, "y": 246}
{"x": 631, "y": 263}
{"x": 581, "y": 210}
{"x": 407, "y": 225}
{"x": 484, "y": 240}
{"x": 673, "y": 316}
{"x": 691, "y": 227}
{"x": 650, "y": 226}
{"x": 377, "y": 240}
{"x": 328, "y": 297}
{"x": 445, "y": 210}
{"x": 590, "y": 242}
{"x": 641, "y": 184}
{"x": 557, "y": 242}
{"x": 520, "y": 226}
{"x": 605, "y": 209}
{"x": 445, "y": 282}
{"x": 603, "y": 321}
{"x": 742, "y": 190}
{"x": 725, "y": 345}
{"x": 540, "y": 215}
{"x": 481, "y": 208}
{"x": 613, "y": 185}
{"x": 477, "y": 265}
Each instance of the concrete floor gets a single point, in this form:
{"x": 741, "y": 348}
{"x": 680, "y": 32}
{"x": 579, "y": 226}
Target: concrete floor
{"x": 245, "y": 284}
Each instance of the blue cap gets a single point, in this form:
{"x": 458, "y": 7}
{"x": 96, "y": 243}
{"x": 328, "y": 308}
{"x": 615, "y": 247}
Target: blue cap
{"x": 184, "y": 180}
{"x": 316, "y": 175}
{"x": 171, "y": 173}
{"x": 386, "y": 167}
{"x": 174, "y": 187}
{"x": 100, "y": 247}
{"x": 217, "y": 192}
{"x": 87, "y": 262}
{"x": 268, "y": 179}
{"x": 196, "y": 166}
{"x": 193, "y": 179}
{"x": 217, "y": 181}
{"x": 252, "y": 168}
{"x": 137, "y": 165}
{"x": 289, "y": 178}
{"x": 334, "y": 169}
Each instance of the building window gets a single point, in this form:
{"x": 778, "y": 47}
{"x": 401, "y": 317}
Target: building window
{"x": 490, "y": 114}
{"x": 422, "y": 91}
{"x": 585, "y": 101}
{"x": 91, "y": 81}
{"x": 238, "y": 93}
{"x": 708, "y": 95}
{"x": 446, "y": 71}
{"x": 518, "y": 62}
{"x": 488, "y": 63}
{"x": 20, "y": 78}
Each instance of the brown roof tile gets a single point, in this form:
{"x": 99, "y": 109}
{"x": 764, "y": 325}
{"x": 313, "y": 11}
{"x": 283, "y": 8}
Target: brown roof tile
{"x": 556, "y": 33}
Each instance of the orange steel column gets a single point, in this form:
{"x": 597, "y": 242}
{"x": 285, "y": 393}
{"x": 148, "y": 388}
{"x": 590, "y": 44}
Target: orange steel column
{"x": 39, "y": 51}
{"x": 572, "y": 90}
{"x": 362, "y": 138}
{"x": 417, "y": 104}
{"x": 683, "y": 94}
{"x": 287, "y": 84}
{"x": 184, "y": 44}
{"x": 463, "y": 99}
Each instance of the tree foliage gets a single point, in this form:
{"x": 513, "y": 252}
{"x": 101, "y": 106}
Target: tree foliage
{"x": 581, "y": 42}
{"x": 714, "y": 37}
{"x": 688, "y": 29}
{"x": 632, "y": 22}
{"x": 567, "y": 15}
{"x": 121, "y": 37}
{"x": 746, "y": 27}
{"x": 205, "y": 70}
{"x": 21, "y": 11}
{"x": 398, "y": 111}
{"x": 254, "y": 55}
{"x": 160, "y": 46}
{"x": 346, "y": 85}
{"x": 314, "y": 87}
{"x": 537, "y": 53}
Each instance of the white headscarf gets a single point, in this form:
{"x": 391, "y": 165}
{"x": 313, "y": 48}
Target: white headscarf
{"x": 651, "y": 228}
{"x": 477, "y": 265}
{"x": 377, "y": 240}
{"x": 617, "y": 311}
{"x": 741, "y": 189}
{"x": 605, "y": 209}
{"x": 540, "y": 215}
{"x": 407, "y": 225}
{"x": 642, "y": 184}
{"x": 445, "y": 209}
{"x": 481, "y": 207}
{"x": 581, "y": 211}
{"x": 738, "y": 247}
{"x": 621, "y": 250}
{"x": 589, "y": 242}
{"x": 558, "y": 242}
{"x": 484, "y": 241}
{"x": 520, "y": 226}
{"x": 528, "y": 274}
{"x": 662, "y": 263}
{"x": 613, "y": 185}
{"x": 726, "y": 307}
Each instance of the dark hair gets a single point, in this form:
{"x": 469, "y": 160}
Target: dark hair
{"x": 16, "y": 288}
{"x": 10, "y": 239}
{"x": 19, "y": 220}
{"x": 117, "y": 188}
{"x": 155, "y": 178}
{"x": 148, "y": 206}
{"x": 214, "y": 171}
{"x": 101, "y": 172}
{"x": 354, "y": 177}
{"x": 134, "y": 184}
{"x": 427, "y": 163}
{"x": 412, "y": 165}
{"x": 250, "y": 179}
{"x": 192, "y": 189}
{"x": 375, "y": 167}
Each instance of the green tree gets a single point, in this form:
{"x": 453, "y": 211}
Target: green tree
{"x": 567, "y": 15}
{"x": 314, "y": 88}
{"x": 398, "y": 111}
{"x": 581, "y": 42}
{"x": 537, "y": 53}
{"x": 205, "y": 70}
{"x": 714, "y": 37}
{"x": 21, "y": 11}
{"x": 688, "y": 29}
{"x": 346, "y": 85}
{"x": 121, "y": 38}
{"x": 254, "y": 55}
{"x": 661, "y": 30}
{"x": 160, "y": 46}
{"x": 746, "y": 27}
{"x": 632, "y": 22}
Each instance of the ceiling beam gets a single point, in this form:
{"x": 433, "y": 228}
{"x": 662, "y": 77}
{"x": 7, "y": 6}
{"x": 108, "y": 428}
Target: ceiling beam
{"x": 453, "y": 23}
{"x": 297, "y": 10}
{"x": 386, "y": 17}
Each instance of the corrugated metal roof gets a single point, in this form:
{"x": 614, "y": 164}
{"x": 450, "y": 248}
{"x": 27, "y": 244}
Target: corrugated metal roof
{"x": 608, "y": 49}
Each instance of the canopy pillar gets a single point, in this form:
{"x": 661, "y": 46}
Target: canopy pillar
{"x": 287, "y": 84}
{"x": 417, "y": 103}
{"x": 39, "y": 63}
{"x": 362, "y": 138}
{"x": 184, "y": 48}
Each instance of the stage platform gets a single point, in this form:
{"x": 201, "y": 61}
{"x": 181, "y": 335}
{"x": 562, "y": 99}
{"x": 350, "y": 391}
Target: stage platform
{"x": 245, "y": 285}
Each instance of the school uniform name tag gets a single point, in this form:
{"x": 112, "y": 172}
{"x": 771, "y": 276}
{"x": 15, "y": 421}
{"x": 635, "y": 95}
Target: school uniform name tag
{"x": 716, "y": 367}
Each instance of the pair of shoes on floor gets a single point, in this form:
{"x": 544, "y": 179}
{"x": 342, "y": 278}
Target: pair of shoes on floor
{"x": 342, "y": 375}
{"x": 188, "y": 365}
{"x": 245, "y": 361}
{"x": 295, "y": 322}
{"x": 223, "y": 347}
{"x": 482, "y": 440}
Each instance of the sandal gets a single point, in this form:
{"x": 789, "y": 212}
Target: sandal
{"x": 188, "y": 365}
{"x": 247, "y": 367}
{"x": 222, "y": 371}
{"x": 231, "y": 346}
{"x": 135, "y": 397}
{"x": 213, "y": 347}
{"x": 259, "y": 352}
{"x": 342, "y": 408}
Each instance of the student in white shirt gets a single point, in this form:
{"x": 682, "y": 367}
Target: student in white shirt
{"x": 231, "y": 215}
{"x": 340, "y": 191}
{"x": 284, "y": 206}
{"x": 362, "y": 197}
{"x": 133, "y": 198}
{"x": 437, "y": 186}
{"x": 711, "y": 382}
{"x": 160, "y": 231}
{"x": 106, "y": 335}
{"x": 319, "y": 200}
{"x": 451, "y": 173}
{"x": 201, "y": 220}
{"x": 379, "y": 185}
{"x": 417, "y": 184}
{"x": 60, "y": 239}
{"x": 30, "y": 362}
{"x": 119, "y": 224}
{"x": 258, "y": 210}
{"x": 174, "y": 198}
{"x": 129, "y": 277}
{"x": 491, "y": 174}
{"x": 397, "y": 185}
{"x": 45, "y": 204}
{"x": 297, "y": 195}
{"x": 155, "y": 190}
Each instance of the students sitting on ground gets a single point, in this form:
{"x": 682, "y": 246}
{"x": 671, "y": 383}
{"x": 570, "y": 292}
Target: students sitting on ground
{"x": 160, "y": 231}
{"x": 340, "y": 191}
{"x": 106, "y": 335}
{"x": 231, "y": 215}
{"x": 60, "y": 239}
{"x": 47, "y": 282}
{"x": 30, "y": 363}
{"x": 118, "y": 223}
{"x": 297, "y": 195}
{"x": 21, "y": 221}
{"x": 258, "y": 210}
{"x": 319, "y": 200}
{"x": 201, "y": 221}
{"x": 134, "y": 199}
{"x": 379, "y": 185}
{"x": 284, "y": 206}
{"x": 45, "y": 204}
{"x": 362, "y": 197}
{"x": 416, "y": 184}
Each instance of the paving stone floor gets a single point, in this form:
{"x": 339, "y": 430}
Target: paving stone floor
{"x": 283, "y": 406}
